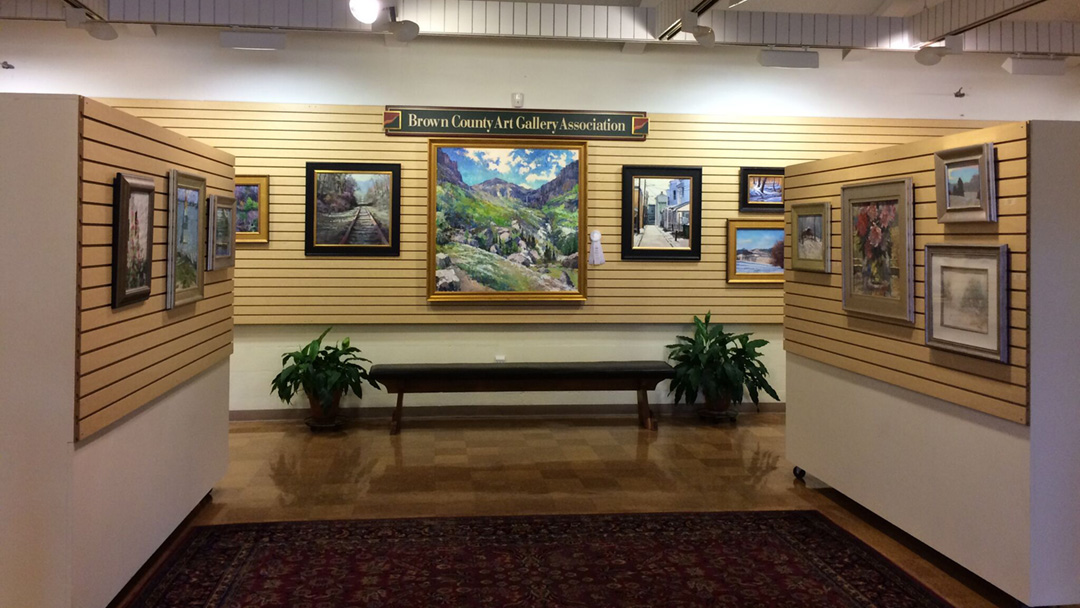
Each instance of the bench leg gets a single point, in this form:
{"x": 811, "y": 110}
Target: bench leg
{"x": 645, "y": 416}
{"x": 395, "y": 419}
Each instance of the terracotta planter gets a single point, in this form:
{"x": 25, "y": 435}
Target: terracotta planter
{"x": 717, "y": 411}
{"x": 324, "y": 416}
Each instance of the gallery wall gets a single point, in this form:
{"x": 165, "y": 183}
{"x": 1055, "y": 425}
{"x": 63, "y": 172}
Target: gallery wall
{"x": 817, "y": 326}
{"x": 130, "y": 355}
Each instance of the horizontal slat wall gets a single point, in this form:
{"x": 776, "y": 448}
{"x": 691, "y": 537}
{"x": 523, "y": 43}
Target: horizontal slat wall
{"x": 132, "y": 355}
{"x": 276, "y": 283}
{"x": 816, "y": 325}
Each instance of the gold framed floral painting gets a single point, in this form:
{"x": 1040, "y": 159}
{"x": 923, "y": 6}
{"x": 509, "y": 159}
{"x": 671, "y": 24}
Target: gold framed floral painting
{"x": 876, "y": 249}
{"x": 252, "y": 194}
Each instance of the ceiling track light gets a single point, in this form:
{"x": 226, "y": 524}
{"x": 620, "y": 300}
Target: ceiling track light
{"x": 703, "y": 34}
{"x": 365, "y": 11}
{"x": 400, "y": 31}
{"x": 931, "y": 55}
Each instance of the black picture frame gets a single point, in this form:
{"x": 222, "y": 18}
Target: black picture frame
{"x": 319, "y": 239}
{"x": 678, "y": 224}
{"x": 749, "y": 206}
{"x": 125, "y": 188}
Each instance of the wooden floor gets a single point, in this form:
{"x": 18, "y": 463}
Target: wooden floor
{"x": 280, "y": 471}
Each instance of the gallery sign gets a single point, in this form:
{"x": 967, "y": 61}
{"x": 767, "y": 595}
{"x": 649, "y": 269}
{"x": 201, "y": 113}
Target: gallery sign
{"x": 485, "y": 122}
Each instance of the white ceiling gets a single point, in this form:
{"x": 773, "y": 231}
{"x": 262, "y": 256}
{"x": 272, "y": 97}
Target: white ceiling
{"x": 1048, "y": 10}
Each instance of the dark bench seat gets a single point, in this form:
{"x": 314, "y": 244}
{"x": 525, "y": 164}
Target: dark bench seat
{"x": 640, "y": 376}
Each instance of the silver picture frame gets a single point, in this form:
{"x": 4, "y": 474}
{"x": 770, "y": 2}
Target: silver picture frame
{"x": 811, "y": 241}
{"x": 973, "y": 199}
{"x": 883, "y": 283}
{"x": 187, "y": 239}
{"x": 967, "y": 299}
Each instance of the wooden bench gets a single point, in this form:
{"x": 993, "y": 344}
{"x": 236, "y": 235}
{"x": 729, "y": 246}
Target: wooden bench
{"x": 640, "y": 376}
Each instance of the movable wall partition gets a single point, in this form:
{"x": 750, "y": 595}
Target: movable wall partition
{"x": 131, "y": 355}
{"x": 277, "y": 284}
{"x": 973, "y": 456}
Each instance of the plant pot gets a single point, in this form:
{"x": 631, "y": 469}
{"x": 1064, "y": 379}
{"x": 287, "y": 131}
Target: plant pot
{"x": 324, "y": 417}
{"x": 719, "y": 411}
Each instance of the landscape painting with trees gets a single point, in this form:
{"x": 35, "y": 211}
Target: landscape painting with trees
{"x": 755, "y": 251}
{"x": 506, "y": 221}
{"x": 187, "y": 234}
{"x": 761, "y": 189}
{"x": 252, "y": 195}
{"x": 353, "y": 209}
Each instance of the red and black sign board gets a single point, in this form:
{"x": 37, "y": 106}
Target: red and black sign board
{"x": 485, "y": 122}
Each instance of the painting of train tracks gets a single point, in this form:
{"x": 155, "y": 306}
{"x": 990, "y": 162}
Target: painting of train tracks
{"x": 353, "y": 209}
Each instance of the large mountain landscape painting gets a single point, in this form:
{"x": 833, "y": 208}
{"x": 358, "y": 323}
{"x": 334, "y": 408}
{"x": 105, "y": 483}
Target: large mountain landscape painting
{"x": 507, "y": 222}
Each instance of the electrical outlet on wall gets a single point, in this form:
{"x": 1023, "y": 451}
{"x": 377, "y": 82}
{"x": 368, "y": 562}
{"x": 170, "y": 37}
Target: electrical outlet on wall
{"x": 500, "y": 358}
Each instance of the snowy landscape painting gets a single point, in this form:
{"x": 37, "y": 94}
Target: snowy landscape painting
{"x": 811, "y": 233}
{"x": 506, "y": 221}
{"x": 755, "y": 251}
{"x": 761, "y": 189}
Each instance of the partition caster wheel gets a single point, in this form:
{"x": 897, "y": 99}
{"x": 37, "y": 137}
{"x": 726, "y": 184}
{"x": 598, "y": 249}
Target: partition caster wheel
{"x": 798, "y": 473}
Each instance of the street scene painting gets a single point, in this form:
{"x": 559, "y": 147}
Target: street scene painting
{"x": 133, "y": 234}
{"x": 661, "y": 213}
{"x": 761, "y": 189}
{"x": 963, "y": 184}
{"x": 353, "y": 209}
{"x": 506, "y": 221}
{"x": 187, "y": 210}
{"x": 965, "y": 298}
{"x": 756, "y": 251}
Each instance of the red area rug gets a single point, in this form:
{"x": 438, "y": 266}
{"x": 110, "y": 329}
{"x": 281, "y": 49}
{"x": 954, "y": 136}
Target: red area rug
{"x": 673, "y": 560}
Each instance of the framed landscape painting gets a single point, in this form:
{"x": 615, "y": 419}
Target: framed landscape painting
{"x": 966, "y": 184}
{"x": 353, "y": 209}
{"x": 507, "y": 220}
{"x": 761, "y": 189}
{"x": 967, "y": 299}
{"x": 876, "y": 249}
{"x": 133, "y": 238}
{"x": 811, "y": 236}
{"x": 187, "y": 234}
{"x": 221, "y": 233}
{"x": 755, "y": 251}
{"x": 661, "y": 213}
{"x": 252, "y": 194}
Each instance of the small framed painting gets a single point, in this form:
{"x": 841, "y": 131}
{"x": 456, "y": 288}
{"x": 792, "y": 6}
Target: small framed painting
{"x": 755, "y": 251}
{"x": 353, "y": 209}
{"x": 876, "y": 249}
{"x": 967, "y": 299}
{"x": 252, "y": 194}
{"x": 187, "y": 239}
{"x": 661, "y": 213}
{"x": 966, "y": 185}
{"x": 221, "y": 234}
{"x": 811, "y": 235}
{"x": 133, "y": 238}
{"x": 761, "y": 189}
{"x": 507, "y": 220}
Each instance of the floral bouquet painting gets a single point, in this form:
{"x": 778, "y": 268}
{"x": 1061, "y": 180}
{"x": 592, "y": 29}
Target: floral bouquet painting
{"x": 875, "y": 271}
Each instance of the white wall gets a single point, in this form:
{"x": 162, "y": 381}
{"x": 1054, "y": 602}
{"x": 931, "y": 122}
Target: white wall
{"x": 187, "y": 63}
{"x": 1054, "y": 360}
{"x": 136, "y": 482}
{"x": 38, "y": 189}
{"x": 954, "y": 478}
{"x": 257, "y": 357}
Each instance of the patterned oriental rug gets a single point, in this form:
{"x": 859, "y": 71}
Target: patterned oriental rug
{"x": 768, "y": 559}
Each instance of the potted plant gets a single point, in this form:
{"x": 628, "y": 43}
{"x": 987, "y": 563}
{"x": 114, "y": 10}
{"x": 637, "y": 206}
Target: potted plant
{"x": 324, "y": 373}
{"x": 721, "y": 366}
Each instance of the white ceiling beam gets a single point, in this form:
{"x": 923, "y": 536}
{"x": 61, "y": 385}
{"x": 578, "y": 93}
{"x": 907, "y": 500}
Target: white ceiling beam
{"x": 954, "y": 17}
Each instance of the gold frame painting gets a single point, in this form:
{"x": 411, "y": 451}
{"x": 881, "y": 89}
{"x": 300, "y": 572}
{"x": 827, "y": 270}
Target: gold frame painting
{"x": 811, "y": 241}
{"x": 507, "y": 220}
{"x": 877, "y": 249}
{"x": 244, "y": 187}
{"x": 753, "y": 259}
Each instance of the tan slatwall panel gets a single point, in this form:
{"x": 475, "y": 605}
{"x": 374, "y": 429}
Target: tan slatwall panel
{"x": 130, "y": 356}
{"x": 816, "y": 326}
{"x": 275, "y": 283}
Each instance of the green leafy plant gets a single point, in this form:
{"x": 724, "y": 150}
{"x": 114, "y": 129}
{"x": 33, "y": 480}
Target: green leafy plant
{"x": 323, "y": 372}
{"x": 721, "y": 366}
